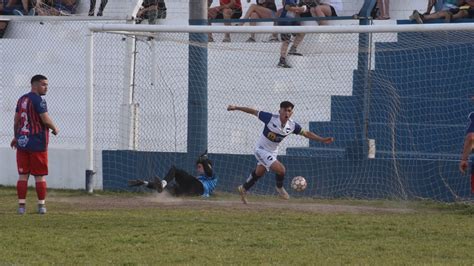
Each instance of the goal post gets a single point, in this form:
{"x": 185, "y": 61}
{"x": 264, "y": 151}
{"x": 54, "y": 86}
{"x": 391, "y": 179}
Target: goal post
{"x": 396, "y": 108}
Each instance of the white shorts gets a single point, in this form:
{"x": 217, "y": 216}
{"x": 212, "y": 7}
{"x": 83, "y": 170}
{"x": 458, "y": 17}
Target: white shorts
{"x": 265, "y": 158}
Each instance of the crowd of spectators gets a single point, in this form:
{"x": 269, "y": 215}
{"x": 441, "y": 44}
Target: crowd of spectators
{"x": 39, "y": 7}
{"x": 151, "y": 10}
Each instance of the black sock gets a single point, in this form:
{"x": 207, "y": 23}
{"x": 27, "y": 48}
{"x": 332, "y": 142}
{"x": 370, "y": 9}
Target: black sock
{"x": 251, "y": 180}
{"x": 279, "y": 180}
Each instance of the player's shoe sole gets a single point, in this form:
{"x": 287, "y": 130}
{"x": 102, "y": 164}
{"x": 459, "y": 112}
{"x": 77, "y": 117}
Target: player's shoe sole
{"x": 243, "y": 194}
{"x": 157, "y": 184}
{"x": 282, "y": 193}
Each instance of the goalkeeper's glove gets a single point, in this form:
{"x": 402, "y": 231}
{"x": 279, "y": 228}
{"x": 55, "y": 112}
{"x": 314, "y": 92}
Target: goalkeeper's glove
{"x": 202, "y": 158}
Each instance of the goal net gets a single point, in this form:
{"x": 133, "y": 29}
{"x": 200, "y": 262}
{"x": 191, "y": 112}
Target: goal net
{"x": 396, "y": 99}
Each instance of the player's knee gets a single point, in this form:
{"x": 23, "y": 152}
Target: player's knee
{"x": 254, "y": 15}
{"x": 281, "y": 170}
{"x": 259, "y": 172}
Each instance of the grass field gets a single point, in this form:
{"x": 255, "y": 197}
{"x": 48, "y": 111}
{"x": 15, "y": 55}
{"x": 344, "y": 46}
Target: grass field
{"x": 124, "y": 228}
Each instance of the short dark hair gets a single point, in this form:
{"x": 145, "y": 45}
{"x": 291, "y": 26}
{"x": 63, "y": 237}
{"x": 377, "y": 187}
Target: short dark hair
{"x": 287, "y": 104}
{"x": 36, "y": 78}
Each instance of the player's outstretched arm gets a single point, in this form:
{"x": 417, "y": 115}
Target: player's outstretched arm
{"x": 243, "y": 109}
{"x": 310, "y": 135}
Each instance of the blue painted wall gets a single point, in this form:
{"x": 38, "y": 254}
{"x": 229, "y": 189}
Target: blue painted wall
{"x": 327, "y": 177}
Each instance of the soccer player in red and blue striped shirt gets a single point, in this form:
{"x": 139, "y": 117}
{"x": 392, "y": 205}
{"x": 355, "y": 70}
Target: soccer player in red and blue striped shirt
{"x": 31, "y": 128}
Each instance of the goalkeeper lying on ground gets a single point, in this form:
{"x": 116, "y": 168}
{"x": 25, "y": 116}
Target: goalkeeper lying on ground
{"x": 185, "y": 184}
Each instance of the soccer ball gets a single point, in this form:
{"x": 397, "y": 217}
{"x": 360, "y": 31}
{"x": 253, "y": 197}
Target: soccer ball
{"x": 299, "y": 183}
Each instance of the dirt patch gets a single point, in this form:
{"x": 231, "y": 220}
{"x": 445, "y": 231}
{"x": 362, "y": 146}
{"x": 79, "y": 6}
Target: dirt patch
{"x": 164, "y": 200}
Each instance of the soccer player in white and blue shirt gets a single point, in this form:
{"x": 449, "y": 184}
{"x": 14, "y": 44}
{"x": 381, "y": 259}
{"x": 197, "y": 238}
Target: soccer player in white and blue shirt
{"x": 277, "y": 127}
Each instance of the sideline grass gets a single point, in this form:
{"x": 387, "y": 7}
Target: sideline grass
{"x": 438, "y": 233}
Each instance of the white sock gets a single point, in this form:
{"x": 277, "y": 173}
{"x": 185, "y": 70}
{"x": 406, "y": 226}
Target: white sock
{"x": 164, "y": 183}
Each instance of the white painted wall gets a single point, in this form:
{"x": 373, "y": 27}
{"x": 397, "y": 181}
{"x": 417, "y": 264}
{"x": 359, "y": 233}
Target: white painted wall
{"x": 66, "y": 169}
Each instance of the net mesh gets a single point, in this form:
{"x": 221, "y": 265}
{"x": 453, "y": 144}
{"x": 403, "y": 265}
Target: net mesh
{"x": 407, "y": 94}
{"x": 410, "y": 104}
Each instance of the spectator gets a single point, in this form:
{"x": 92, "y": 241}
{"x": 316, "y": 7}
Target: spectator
{"x": 440, "y": 5}
{"x": 185, "y": 184}
{"x": 151, "y": 10}
{"x": 310, "y": 4}
{"x": 464, "y": 8}
{"x": 262, "y": 9}
{"x": 227, "y": 9}
{"x": 383, "y": 7}
{"x": 467, "y": 150}
{"x": 326, "y": 8}
{"x": 56, "y": 8}
{"x": 103, "y": 3}
{"x": 3, "y": 27}
{"x": 18, "y": 9}
{"x": 290, "y": 10}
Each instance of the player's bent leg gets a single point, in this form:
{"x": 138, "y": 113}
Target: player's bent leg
{"x": 280, "y": 171}
{"x": 135, "y": 182}
{"x": 251, "y": 180}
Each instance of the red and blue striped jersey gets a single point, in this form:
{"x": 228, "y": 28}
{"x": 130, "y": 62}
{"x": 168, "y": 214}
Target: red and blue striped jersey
{"x": 32, "y": 134}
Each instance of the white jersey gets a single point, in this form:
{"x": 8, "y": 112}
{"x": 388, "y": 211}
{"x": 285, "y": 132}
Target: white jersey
{"x": 337, "y": 4}
{"x": 274, "y": 132}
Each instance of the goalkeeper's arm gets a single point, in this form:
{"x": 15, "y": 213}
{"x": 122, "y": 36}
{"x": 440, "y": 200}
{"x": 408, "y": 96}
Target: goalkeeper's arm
{"x": 207, "y": 168}
{"x": 206, "y": 164}
{"x": 310, "y": 135}
{"x": 243, "y": 109}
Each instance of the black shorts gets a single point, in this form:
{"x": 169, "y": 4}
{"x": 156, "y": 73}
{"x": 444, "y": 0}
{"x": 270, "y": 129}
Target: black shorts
{"x": 307, "y": 14}
{"x": 333, "y": 11}
{"x": 287, "y": 36}
{"x": 236, "y": 13}
{"x": 454, "y": 11}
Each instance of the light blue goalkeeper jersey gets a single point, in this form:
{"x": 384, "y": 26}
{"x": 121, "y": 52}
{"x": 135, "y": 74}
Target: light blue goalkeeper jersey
{"x": 208, "y": 183}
